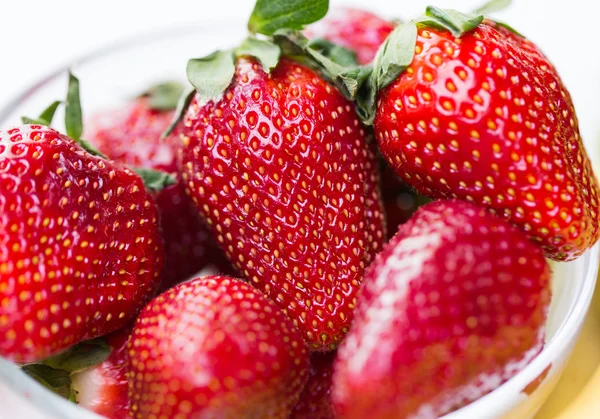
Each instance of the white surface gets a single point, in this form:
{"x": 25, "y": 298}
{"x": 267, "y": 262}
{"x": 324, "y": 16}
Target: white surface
{"x": 38, "y": 36}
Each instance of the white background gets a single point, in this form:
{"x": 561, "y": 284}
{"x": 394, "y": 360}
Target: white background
{"x": 39, "y": 36}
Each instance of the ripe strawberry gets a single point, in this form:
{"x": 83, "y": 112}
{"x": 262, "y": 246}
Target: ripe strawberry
{"x": 315, "y": 400}
{"x": 355, "y": 29}
{"x": 279, "y": 166}
{"x": 486, "y": 118}
{"x": 80, "y": 251}
{"x": 454, "y": 306}
{"x": 215, "y": 347}
{"x": 133, "y": 137}
{"x": 189, "y": 245}
{"x": 103, "y": 389}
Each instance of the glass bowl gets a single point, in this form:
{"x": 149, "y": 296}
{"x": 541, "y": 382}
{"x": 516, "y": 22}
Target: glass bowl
{"x": 112, "y": 75}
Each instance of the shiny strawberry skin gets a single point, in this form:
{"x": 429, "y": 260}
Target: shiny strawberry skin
{"x": 80, "y": 251}
{"x": 453, "y": 306}
{"x": 132, "y": 136}
{"x": 358, "y": 30}
{"x": 376, "y": 231}
{"x": 280, "y": 169}
{"x": 315, "y": 400}
{"x": 487, "y": 119}
{"x": 104, "y": 389}
{"x": 215, "y": 347}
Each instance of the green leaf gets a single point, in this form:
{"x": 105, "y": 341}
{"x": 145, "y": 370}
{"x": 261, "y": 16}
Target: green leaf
{"x": 456, "y": 22}
{"x": 73, "y": 114}
{"x": 90, "y": 148}
{"x": 366, "y": 100}
{"x": 212, "y": 74}
{"x": 510, "y": 28}
{"x": 184, "y": 102}
{"x": 155, "y": 180}
{"x": 164, "y": 96}
{"x": 392, "y": 58}
{"x": 269, "y": 16}
{"x": 295, "y": 45}
{"x": 48, "y": 113}
{"x": 81, "y": 356}
{"x": 34, "y": 121}
{"x": 336, "y": 53}
{"x": 394, "y": 55}
{"x": 45, "y": 117}
{"x": 56, "y": 380}
{"x": 265, "y": 51}
{"x": 492, "y": 6}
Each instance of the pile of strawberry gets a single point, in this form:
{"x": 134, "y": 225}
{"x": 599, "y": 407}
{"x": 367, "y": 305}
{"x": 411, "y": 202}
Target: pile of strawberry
{"x": 267, "y": 177}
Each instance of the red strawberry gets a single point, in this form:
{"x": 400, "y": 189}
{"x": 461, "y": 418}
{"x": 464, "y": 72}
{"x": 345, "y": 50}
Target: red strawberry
{"x": 132, "y": 137}
{"x": 315, "y": 400}
{"x": 189, "y": 245}
{"x": 215, "y": 347}
{"x": 355, "y": 29}
{"x": 486, "y": 118}
{"x": 103, "y": 389}
{"x": 279, "y": 167}
{"x": 80, "y": 251}
{"x": 454, "y": 306}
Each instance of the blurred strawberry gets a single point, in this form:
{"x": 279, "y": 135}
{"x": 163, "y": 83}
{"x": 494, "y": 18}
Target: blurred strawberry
{"x": 103, "y": 388}
{"x": 400, "y": 201}
{"x": 132, "y": 136}
{"x": 358, "y": 30}
{"x": 455, "y": 305}
{"x": 315, "y": 400}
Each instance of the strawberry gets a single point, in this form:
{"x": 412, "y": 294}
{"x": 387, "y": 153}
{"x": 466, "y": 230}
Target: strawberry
{"x": 482, "y": 115}
{"x": 453, "y": 306}
{"x": 355, "y": 29}
{"x": 133, "y": 137}
{"x": 278, "y": 164}
{"x": 80, "y": 251}
{"x": 103, "y": 389}
{"x": 315, "y": 400}
{"x": 189, "y": 245}
{"x": 215, "y": 347}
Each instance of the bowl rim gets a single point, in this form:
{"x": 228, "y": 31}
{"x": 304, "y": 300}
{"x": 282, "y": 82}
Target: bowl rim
{"x": 493, "y": 401}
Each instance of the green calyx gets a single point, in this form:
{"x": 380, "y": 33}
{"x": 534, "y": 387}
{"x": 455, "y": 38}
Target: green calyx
{"x": 212, "y": 74}
{"x": 456, "y": 22}
{"x": 55, "y": 372}
{"x": 492, "y": 6}
{"x": 73, "y": 116}
{"x": 154, "y": 180}
{"x": 164, "y": 96}
{"x": 45, "y": 117}
{"x": 275, "y": 32}
{"x": 269, "y": 16}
